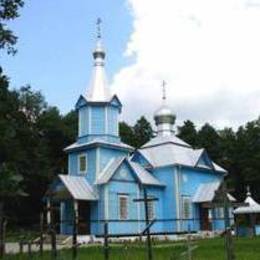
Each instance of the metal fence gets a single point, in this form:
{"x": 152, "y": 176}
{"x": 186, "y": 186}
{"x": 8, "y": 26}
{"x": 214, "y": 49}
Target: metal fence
{"x": 34, "y": 247}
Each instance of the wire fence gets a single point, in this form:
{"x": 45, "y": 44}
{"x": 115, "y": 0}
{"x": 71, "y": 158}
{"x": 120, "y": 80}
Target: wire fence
{"x": 46, "y": 236}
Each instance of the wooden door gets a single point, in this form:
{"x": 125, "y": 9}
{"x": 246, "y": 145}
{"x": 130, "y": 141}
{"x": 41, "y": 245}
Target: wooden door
{"x": 84, "y": 218}
{"x": 204, "y": 219}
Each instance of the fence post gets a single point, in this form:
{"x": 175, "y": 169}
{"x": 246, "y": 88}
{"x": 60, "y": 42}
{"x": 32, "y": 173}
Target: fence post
{"x": 50, "y": 220}
{"x": 21, "y": 247}
{"x": 150, "y": 256}
{"x": 2, "y": 236}
{"x": 106, "y": 248}
{"x": 75, "y": 231}
{"x": 228, "y": 236}
{"x": 41, "y": 232}
{"x": 29, "y": 249}
{"x": 189, "y": 244}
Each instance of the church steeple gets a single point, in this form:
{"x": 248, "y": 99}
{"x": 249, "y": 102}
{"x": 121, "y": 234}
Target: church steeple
{"x": 164, "y": 117}
{"x": 98, "y": 90}
{"x": 98, "y": 109}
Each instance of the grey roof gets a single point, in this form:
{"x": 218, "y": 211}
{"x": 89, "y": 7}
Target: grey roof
{"x": 159, "y": 140}
{"x": 98, "y": 90}
{"x": 143, "y": 176}
{"x": 109, "y": 170}
{"x": 253, "y": 207}
{"x": 78, "y": 187}
{"x": 96, "y": 142}
{"x": 169, "y": 153}
{"x": 206, "y": 192}
{"x": 170, "y": 150}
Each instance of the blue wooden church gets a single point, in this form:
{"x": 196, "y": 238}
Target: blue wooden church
{"x": 106, "y": 175}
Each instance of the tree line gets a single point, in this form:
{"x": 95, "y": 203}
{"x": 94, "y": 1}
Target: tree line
{"x": 33, "y": 135}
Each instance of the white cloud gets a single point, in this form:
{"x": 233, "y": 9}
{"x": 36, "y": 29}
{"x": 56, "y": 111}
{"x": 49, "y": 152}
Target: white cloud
{"x": 208, "y": 51}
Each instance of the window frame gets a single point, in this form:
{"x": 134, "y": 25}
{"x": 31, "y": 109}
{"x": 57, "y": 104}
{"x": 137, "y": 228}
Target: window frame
{"x": 126, "y": 197}
{"x": 151, "y": 205}
{"x": 79, "y": 163}
{"x": 186, "y": 199}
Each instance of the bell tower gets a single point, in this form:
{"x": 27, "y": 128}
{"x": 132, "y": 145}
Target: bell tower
{"x": 98, "y": 109}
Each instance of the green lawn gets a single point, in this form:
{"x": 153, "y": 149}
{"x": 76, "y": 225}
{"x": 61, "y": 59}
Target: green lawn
{"x": 245, "y": 248}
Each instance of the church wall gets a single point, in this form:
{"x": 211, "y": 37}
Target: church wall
{"x": 106, "y": 154}
{"x": 156, "y": 192}
{"x": 83, "y": 127}
{"x": 122, "y": 183}
{"x": 73, "y": 164}
{"x": 168, "y": 198}
{"x": 97, "y": 120}
{"x": 66, "y": 226}
{"x": 112, "y": 120}
{"x": 190, "y": 180}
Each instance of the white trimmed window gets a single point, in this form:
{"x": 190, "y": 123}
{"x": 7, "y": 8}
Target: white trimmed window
{"x": 123, "y": 207}
{"x": 82, "y": 163}
{"x": 220, "y": 213}
{"x": 186, "y": 207}
{"x": 151, "y": 210}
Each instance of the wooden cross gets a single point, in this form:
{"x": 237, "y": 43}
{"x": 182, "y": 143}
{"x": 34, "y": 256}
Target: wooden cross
{"x": 145, "y": 199}
{"x": 164, "y": 89}
{"x": 99, "y": 21}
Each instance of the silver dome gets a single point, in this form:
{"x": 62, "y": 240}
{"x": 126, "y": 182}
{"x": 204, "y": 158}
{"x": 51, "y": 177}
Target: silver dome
{"x": 164, "y": 110}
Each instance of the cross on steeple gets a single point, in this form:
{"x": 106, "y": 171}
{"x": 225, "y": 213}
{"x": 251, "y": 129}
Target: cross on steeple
{"x": 98, "y": 23}
{"x": 248, "y": 191}
{"x": 164, "y": 89}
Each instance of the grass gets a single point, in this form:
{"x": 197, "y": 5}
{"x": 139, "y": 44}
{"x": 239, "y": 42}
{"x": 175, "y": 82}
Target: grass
{"x": 208, "y": 249}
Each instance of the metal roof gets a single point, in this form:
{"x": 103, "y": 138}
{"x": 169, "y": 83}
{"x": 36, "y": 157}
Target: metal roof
{"x": 78, "y": 187}
{"x": 96, "y": 142}
{"x": 172, "y": 150}
{"x": 253, "y": 207}
{"x": 167, "y": 154}
{"x": 206, "y": 192}
{"x": 142, "y": 175}
{"x": 98, "y": 90}
{"x": 161, "y": 139}
{"x": 109, "y": 170}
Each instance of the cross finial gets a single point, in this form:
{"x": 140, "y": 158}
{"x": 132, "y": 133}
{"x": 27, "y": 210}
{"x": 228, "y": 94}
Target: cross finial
{"x": 164, "y": 89}
{"x": 248, "y": 190}
{"x": 99, "y": 21}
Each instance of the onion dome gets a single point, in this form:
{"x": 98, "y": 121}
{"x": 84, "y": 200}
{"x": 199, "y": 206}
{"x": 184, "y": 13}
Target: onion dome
{"x": 164, "y": 117}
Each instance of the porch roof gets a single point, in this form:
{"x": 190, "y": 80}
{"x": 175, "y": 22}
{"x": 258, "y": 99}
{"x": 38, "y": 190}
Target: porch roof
{"x": 206, "y": 192}
{"x": 252, "y": 208}
{"x": 78, "y": 187}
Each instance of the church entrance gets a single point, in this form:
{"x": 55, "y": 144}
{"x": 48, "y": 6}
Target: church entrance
{"x": 205, "y": 223}
{"x": 84, "y": 217}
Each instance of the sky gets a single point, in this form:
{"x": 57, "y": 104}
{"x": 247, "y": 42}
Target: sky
{"x": 206, "y": 50}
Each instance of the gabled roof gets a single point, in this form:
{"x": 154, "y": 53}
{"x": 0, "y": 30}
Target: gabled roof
{"x": 143, "y": 176}
{"x": 165, "y": 151}
{"x": 78, "y": 187}
{"x": 109, "y": 170}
